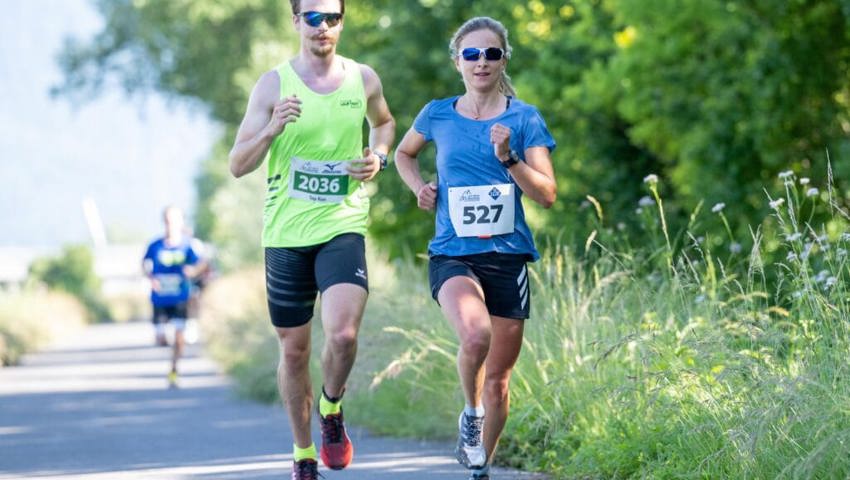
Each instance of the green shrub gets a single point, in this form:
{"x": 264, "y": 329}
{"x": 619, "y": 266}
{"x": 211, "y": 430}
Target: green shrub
{"x": 30, "y": 320}
{"x": 72, "y": 271}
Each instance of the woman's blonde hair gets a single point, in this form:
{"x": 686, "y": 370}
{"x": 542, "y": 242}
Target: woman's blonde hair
{"x": 495, "y": 26}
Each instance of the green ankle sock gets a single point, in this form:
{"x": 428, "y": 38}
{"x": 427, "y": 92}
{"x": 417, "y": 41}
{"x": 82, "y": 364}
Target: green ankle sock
{"x": 304, "y": 453}
{"x": 327, "y": 407}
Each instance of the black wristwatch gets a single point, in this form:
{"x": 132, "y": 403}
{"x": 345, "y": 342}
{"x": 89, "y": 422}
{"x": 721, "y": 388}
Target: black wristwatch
{"x": 512, "y": 160}
{"x": 383, "y": 157}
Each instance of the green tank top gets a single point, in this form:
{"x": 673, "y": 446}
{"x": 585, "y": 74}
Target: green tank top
{"x": 328, "y": 133}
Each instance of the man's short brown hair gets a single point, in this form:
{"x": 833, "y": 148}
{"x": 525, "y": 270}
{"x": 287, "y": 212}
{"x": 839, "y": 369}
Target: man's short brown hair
{"x": 296, "y": 6}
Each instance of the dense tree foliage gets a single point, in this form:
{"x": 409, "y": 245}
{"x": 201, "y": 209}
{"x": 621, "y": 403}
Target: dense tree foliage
{"x": 716, "y": 97}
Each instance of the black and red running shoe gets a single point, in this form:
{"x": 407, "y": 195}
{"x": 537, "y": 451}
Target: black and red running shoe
{"x": 337, "y": 450}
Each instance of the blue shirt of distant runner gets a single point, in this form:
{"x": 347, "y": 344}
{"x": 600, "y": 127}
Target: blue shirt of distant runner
{"x": 168, "y": 262}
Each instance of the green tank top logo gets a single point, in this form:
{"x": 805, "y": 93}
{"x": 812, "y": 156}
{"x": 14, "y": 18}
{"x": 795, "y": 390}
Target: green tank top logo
{"x": 356, "y": 103}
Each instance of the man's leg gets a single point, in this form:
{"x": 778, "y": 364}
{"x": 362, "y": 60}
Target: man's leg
{"x": 341, "y": 275}
{"x": 291, "y": 293}
{"x": 293, "y": 380}
{"x": 342, "y": 311}
{"x": 179, "y": 342}
{"x": 158, "y": 322}
{"x": 179, "y": 325}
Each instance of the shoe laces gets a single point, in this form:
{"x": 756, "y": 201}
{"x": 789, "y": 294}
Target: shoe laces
{"x": 472, "y": 430}
{"x": 307, "y": 470}
{"x": 332, "y": 428}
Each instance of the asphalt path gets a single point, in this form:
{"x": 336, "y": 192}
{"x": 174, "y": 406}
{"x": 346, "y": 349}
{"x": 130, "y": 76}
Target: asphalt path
{"x": 96, "y": 406}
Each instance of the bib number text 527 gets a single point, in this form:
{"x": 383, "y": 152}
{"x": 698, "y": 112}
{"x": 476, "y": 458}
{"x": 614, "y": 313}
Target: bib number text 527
{"x": 482, "y": 214}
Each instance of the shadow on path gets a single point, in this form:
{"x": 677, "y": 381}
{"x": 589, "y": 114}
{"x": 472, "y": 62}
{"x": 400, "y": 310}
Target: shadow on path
{"x": 98, "y": 408}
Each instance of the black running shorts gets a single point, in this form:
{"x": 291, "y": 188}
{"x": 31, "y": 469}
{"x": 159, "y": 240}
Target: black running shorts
{"x": 503, "y": 278}
{"x": 170, "y": 312}
{"x": 294, "y": 275}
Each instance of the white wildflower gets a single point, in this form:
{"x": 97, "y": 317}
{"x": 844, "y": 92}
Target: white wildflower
{"x": 718, "y": 207}
{"x": 845, "y": 237}
{"x": 821, "y": 276}
{"x": 793, "y": 237}
{"x": 797, "y": 294}
{"x": 812, "y": 192}
{"x": 777, "y": 203}
{"x": 830, "y": 282}
{"x": 786, "y": 174}
{"x": 646, "y": 201}
{"x": 804, "y": 181}
{"x": 735, "y": 247}
{"x": 621, "y": 226}
{"x": 791, "y": 256}
{"x": 807, "y": 249}
{"x": 841, "y": 253}
{"x": 638, "y": 211}
{"x": 651, "y": 179}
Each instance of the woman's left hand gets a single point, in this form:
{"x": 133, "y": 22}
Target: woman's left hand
{"x": 500, "y": 137}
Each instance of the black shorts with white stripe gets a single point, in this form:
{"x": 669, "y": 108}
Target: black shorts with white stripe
{"x": 503, "y": 278}
{"x": 295, "y": 275}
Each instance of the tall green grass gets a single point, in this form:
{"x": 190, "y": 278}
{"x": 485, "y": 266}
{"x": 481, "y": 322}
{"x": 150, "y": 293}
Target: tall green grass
{"x": 664, "y": 361}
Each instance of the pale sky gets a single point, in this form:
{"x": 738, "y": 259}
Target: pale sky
{"x": 133, "y": 157}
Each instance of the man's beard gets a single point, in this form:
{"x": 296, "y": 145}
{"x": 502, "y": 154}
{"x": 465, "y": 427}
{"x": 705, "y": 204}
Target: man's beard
{"x": 322, "y": 50}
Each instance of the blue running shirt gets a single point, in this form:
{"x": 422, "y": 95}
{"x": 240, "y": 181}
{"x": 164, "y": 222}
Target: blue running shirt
{"x": 168, "y": 262}
{"x": 465, "y": 157}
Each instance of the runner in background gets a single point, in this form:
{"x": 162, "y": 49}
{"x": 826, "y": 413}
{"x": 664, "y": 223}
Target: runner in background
{"x": 170, "y": 262}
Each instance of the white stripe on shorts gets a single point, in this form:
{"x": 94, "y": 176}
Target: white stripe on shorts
{"x": 522, "y": 281}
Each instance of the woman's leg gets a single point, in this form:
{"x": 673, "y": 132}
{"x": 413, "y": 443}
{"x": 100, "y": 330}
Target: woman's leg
{"x": 505, "y": 345}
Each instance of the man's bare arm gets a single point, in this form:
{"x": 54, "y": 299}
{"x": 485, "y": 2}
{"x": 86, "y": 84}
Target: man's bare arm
{"x": 266, "y": 117}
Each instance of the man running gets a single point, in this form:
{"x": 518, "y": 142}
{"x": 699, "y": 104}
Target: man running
{"x": 169, "y": 263}
{"x": 306, "y": 117}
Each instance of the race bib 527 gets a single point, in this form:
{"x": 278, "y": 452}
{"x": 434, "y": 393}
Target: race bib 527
{"x": 483, "y": 210}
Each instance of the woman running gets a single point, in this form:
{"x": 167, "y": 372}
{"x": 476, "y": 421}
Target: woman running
{"x": 491, "y": 149}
